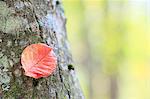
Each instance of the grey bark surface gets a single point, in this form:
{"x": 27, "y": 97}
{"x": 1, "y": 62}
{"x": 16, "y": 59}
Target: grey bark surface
{"x": 24, "y": 22}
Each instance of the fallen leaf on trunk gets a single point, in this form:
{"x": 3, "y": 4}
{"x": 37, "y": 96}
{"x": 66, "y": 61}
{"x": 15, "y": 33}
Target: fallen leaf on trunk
{"x": 38, "y": 60}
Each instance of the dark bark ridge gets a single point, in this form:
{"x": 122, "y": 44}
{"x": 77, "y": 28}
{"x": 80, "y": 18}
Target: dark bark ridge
{"x": 23, "y": 22}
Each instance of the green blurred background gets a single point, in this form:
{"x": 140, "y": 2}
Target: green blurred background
{"x": 110, "y": 43}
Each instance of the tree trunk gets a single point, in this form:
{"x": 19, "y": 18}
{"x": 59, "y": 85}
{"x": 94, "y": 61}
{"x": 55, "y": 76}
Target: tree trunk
{"x": 24, "y": 22}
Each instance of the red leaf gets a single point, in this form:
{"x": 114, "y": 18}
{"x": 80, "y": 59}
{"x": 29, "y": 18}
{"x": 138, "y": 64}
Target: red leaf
{"x": 38, "y": 60}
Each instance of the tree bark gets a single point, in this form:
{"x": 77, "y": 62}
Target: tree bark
{"x": 24, "y": 22}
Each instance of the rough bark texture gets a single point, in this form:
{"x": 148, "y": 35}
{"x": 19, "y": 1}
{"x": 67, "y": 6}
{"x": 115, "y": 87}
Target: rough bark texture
{"x": 23, "y": 22}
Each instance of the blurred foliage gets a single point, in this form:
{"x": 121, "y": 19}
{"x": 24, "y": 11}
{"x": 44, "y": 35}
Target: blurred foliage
{"x": 110, "y": 42}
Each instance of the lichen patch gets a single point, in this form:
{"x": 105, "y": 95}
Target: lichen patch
{"x": 4, "y": 74}
{"x": 8, "y": 22}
